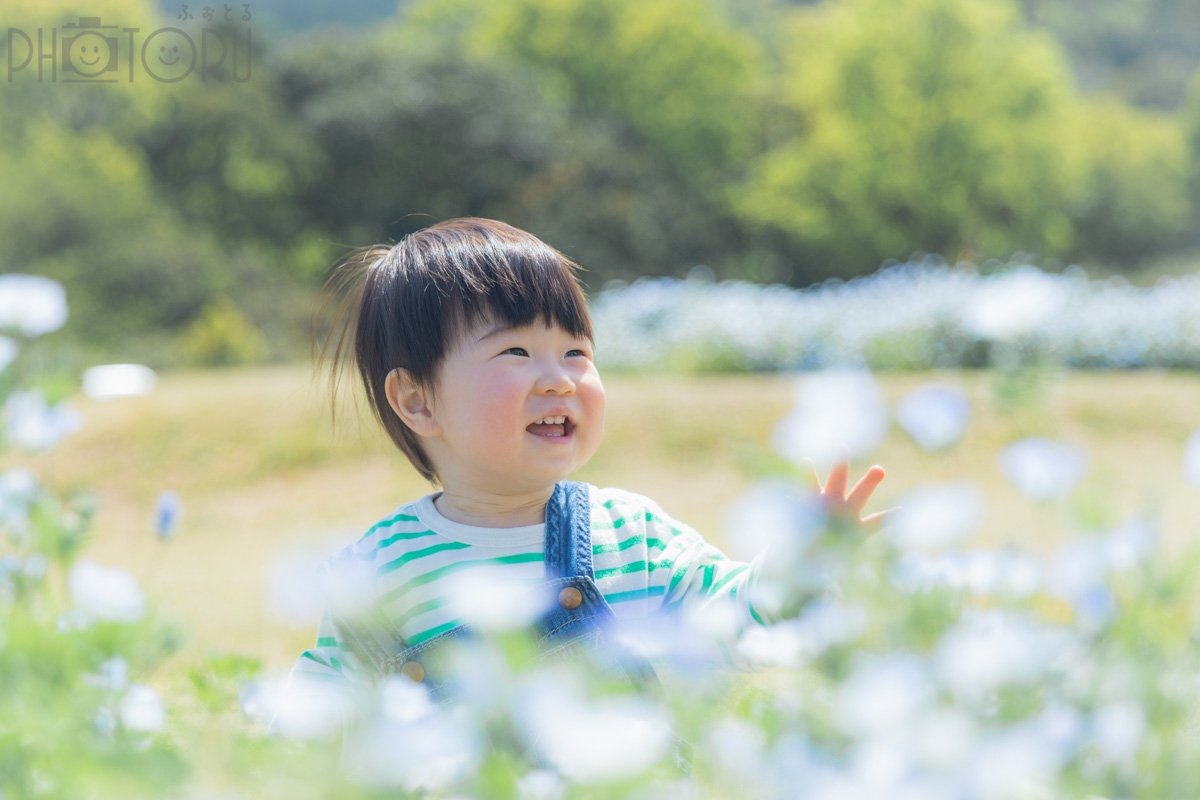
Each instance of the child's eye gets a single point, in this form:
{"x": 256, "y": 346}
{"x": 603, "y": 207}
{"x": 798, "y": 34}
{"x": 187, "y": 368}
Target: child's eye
{"x": 583, "y": 353}
{"x": 516, "y": 351}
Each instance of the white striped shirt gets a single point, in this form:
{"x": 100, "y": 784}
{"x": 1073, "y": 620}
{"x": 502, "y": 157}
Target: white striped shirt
{"x": 644, "y": 562}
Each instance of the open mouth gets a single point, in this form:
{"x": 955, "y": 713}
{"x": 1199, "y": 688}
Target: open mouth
{"x": 552, "y": 427}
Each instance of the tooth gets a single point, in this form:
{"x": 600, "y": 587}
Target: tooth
{"x": 559, "y": 420}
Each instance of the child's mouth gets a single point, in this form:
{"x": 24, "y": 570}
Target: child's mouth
{"x": 552, "y": 427}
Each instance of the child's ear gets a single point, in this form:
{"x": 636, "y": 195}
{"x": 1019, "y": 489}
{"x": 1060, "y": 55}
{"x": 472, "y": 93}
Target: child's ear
{"x": 408, "y": 399}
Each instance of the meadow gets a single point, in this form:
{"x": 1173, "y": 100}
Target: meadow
{"x": 1021, "y": 627}
{"x": 269, "y": 484}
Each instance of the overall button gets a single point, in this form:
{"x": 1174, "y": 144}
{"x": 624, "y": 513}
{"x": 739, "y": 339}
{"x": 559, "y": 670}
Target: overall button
{"x": 413, "y": 671}
{"x": 570, "y": 598}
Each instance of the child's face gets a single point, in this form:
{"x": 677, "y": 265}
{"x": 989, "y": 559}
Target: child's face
{"x": 490, "y": 394}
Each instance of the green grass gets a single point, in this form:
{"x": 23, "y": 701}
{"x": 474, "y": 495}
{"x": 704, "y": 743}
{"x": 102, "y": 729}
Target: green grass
{"x": 263, "y": 473}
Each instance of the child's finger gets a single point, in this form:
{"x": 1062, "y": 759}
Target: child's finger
{"x": 876, "y": 520}
{"x": 862, "y": 491}
{"x": 839, "y": 476}
{"x": 816, "y": 475}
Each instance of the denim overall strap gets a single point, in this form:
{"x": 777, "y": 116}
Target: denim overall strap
{"x": 569, "y": 532}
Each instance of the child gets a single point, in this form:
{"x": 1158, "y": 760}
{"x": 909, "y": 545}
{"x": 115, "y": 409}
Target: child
{"x": 474, "y": 344}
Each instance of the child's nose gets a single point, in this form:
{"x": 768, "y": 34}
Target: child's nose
{"x": 555, "y": 380}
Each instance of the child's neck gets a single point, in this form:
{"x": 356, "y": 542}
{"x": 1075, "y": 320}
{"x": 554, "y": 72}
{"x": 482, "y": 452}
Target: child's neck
{"x": 498, "y": 511}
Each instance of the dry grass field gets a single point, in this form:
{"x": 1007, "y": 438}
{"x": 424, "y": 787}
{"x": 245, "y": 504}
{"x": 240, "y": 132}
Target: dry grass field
{"x": 266, "y": 481}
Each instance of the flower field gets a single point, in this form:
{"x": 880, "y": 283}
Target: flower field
{"x": 1023, "y": 626}
{"x": 913, "y": 315}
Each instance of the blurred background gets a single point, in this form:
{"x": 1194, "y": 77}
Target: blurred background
{"x": 193, "y": 188}
{"x": 193, "y": 215}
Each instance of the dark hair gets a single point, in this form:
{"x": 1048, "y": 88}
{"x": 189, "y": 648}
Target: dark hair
{"x": 406, "y": 303}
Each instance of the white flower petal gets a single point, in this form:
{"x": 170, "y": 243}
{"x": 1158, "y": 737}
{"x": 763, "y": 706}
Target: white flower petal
{"x": 835, "y": 412}
{"x": 142, "y": 710}
{"x": 934, "y": 416}
{"x": 118, "y": 380}
{"x": 1014, "y": 304}
{"x": 30, "y": 423}
{"x": 1042, "y": 469}
{"x": 934, "y": 517}
{"x": 1191, "y": 459}
{"x": 31, "y": 304}
{"x": 104, "y": 593}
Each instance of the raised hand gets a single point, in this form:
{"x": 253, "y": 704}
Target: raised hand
{"x": 850, "y": 504}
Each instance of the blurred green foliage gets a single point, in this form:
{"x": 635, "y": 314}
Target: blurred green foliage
{"x": 769, "y": 140}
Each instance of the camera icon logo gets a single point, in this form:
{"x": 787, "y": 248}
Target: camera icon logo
{"x": 89, "y": 51}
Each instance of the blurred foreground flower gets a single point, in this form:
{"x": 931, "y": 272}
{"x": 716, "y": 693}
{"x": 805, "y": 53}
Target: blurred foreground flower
{"x": 934, "y": 416}
{"x": 1042, "y": 469}
{"x": 486, "y": 599}
{"x": 30, "y": 423}
{"x": 834, "y": 412}
{"x": 118, "y": 380}
{"x": 8, "y": 352}
{"x": 142, "y": 710}
{"x": 933, "y": 517}
{"x": 591, "y": 740}
{"x": 106, "y": 593}
{"x": 1191, "y": 459}
{"x": 31, "y": 305}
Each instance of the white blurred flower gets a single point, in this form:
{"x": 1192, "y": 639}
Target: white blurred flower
{"x": 403, "y": 700}
{"x": 1130, "y": 544}
{"x": 989, "y": 650}
{"x": 773, "y": 517}
{"x": 1012, "y": 763}
{"x": 737, "y": 748}
{"x": 1191, "y": 459}
{"x": 591, "y": 740}
{"x": 118, "y": 380}
{"x": 18, "y": 487}
{"x": 8, "y": 352}
{"x": 1042, "y": 469}
{"x": 1118, "y": 731}
{"x": 782, "y": 644}
{"x": 1078, "y": 572}
{"x": 688, "y": 641}
{"x": 112, "y": 675}
{"x": 944, "y": 738}
{"x": 30, "y": 423}
{"x": 105, "y": 593}
{"x": 429, "y": 755}
{"x": 303, "y": 583}
{"x": 934, "y": 416}
{"x": 31, "y": 304}
{"x": 489, "y": 599}
{"x": 142, "y": 710}
{"x": 299, "y": 707}
{"x": 541, "y": 784}
{"x": 478, "y": 673}
{"x": 826, "y": 623}
{"x": 834, "y": 412}
{"x": 933, "y": 517}
{"x": 884, "y": 697}
{"x": 1014, "y": 304}
{"x": 1061, "y": 727}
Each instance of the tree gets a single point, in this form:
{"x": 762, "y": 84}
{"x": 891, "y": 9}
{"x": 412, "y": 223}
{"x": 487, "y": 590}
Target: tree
{"x": 932, "y": 125}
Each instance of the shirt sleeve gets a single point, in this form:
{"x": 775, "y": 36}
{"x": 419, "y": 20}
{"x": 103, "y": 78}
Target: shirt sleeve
{"x": 688, "y": 572}
{"x": 329, "y": 659}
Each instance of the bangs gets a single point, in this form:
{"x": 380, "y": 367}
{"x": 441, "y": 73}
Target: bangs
{"x": 519, "y": 291}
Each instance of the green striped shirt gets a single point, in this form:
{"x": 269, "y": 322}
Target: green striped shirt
{"x": 409, "y": 564}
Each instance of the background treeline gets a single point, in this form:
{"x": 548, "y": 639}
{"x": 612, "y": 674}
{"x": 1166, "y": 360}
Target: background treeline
{"x": 772, "y": 141}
